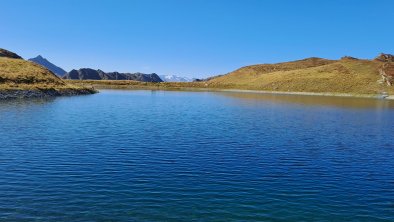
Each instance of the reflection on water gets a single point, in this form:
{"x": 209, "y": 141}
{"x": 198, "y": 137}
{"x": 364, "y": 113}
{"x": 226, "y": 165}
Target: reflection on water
{"x": 309, "y": 100}
{"x": 196, "y": 156}
{"x": 25, "y": 103}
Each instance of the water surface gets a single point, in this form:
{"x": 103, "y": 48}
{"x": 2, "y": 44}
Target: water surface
{"x": 196, "y": 156}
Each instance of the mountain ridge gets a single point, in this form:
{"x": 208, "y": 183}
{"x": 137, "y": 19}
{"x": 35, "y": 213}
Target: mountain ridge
{"x": 92, "y": 74}
{"x": 44, "y": 62}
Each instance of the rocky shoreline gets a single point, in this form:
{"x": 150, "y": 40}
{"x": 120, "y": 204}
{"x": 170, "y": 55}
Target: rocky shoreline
{"x": 42, "y": 93}
{"x": 188, "y": 86}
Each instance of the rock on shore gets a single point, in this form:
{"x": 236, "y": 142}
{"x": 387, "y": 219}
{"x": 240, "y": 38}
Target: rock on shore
{"x": 20, "y": 94}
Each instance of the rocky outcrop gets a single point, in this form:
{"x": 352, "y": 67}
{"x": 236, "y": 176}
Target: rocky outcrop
{"x": 8, "y": 54}
{"x": 91, "y": 74}
{"x": 387, "y": 73}
{"x": 44, "y": 62}
{"x": 385, "y": 58}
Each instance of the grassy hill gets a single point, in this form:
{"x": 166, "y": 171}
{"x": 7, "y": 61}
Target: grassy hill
{"x": 17, "y": 77}
{"x": 18, "y": 73}
{"x": 347, "y": 75}
{"x": 313, "y": 75}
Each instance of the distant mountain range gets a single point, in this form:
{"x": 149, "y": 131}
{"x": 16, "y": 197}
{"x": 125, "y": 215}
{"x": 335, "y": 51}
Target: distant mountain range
{"x": 44, "y": 62}
{"x": 174, "y": 78}
{"x": 92, "y": 74}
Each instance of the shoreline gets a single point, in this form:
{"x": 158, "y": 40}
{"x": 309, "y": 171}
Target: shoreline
{"x": 200, "y": 89}
{"x": 7, "y": 94}
{"x": 371, "y": 96}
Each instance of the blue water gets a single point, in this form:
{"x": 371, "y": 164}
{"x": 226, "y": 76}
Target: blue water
{"x": 196, "y": 156}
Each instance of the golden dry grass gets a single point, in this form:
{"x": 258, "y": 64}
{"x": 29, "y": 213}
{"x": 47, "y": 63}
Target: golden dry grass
{"x": 25, "y": 72}
{"x": 343, "y": 76}
{"x": 136, "y": 84}
{"x": 26, "y": 75}
{"x": 314, "y": 75}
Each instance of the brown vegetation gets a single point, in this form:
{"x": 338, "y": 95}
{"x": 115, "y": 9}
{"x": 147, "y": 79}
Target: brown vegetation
{"x": 347, "y": 75}
{"x": 18, "y": 74}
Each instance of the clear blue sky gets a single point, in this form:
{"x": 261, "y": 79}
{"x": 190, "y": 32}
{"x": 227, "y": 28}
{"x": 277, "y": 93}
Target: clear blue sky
{"x": 195, "y": 38}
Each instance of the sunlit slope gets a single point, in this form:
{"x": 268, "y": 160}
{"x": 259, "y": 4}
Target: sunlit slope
{"x": 18, "y": 72}
{"x": 18, "y": 75}
{"x": 347, "y": 75}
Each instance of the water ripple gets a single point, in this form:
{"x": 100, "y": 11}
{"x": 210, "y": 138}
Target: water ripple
{"x": 181, "y": 156}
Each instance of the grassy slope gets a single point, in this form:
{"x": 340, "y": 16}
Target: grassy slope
{"x": 25, "y": 75}
{"x": 310, "y": 75}
{"x": 350, "y": 76}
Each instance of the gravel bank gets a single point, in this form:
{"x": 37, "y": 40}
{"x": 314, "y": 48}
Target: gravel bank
{"x": 19, "y": 94}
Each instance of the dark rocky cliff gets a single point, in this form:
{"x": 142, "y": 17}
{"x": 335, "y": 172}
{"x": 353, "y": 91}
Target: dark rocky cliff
{"x": 91, "y": 74}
